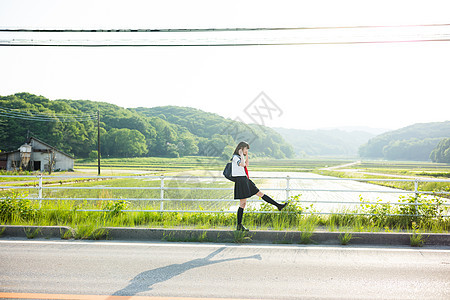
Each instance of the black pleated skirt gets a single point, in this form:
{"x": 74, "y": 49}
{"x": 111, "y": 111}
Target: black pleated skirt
{"x": 244, "y": 188}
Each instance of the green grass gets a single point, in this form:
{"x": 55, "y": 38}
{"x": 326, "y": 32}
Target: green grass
{"x": 345, "y": 238}
{"x": 32, "y": 233}
{"x": 15, "y": 173}
{"x": 17, "y": 211}
{"x": 87, "y": 224}
{"x": 416, "y": 239}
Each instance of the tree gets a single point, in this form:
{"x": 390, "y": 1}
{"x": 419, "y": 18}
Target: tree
{"x": 93, "y": 155}
{"x": 441, "y": 154}
{"x": 227, "y": 152}
{"x": 204, "y": 126}
{"x": 125, "y": 143}
{"x": 2, "y": 130}
{"x": 75, "y": 137}
{"x": 215, "y": 145}
{"x": 172, "y": 150}
{"x": 187, "y": 145}
{"x": 51, "y": 161}
{"x": 412, "y": 149}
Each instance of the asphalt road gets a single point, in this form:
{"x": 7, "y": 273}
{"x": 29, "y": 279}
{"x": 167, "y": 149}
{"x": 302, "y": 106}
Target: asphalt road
{"x": 216, "y": 270}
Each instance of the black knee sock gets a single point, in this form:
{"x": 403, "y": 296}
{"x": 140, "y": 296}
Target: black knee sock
{"x": 273, "y": 202}
{"x": 240, "y": 213}
{"x": 270, "y": 200}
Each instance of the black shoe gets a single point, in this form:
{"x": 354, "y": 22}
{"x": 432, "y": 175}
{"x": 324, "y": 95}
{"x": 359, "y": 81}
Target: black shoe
{"x": 241, "y": 227}
{"x": 281, "y": 206}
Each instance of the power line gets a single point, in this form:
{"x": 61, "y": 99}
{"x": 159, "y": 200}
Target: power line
{"x": 216, "y": 29}
{"x": 228, "y": 45}
{"x": 185, "y": 37}
{"x": 30, "y": 116}
{"x": 18, "y": 111}
{"x": 43, "y": 119}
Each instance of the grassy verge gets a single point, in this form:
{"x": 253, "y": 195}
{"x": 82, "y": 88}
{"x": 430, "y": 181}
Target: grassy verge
{"x": 15, "y": 210}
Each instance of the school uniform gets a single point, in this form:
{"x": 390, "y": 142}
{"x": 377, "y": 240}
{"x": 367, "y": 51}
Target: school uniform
{"x": 243, "y": 188}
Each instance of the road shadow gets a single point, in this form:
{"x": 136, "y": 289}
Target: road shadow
{"x": 144, "y": 281}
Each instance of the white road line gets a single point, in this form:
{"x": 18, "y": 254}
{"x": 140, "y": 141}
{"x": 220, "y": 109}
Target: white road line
{"x": 193, "y": 245}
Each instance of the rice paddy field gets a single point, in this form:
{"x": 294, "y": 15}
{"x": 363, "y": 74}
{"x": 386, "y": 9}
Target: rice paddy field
{"x": 90, "y": 193}
{"x": 189, "y": 163}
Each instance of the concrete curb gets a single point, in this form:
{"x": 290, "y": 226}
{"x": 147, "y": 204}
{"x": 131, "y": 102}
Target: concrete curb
{"x": 228, "y": 236}
{"x": 270, "y": 236}
{"x": 36, "y": 231}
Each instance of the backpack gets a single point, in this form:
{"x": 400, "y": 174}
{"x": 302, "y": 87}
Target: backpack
{"x": 227, "y": 172}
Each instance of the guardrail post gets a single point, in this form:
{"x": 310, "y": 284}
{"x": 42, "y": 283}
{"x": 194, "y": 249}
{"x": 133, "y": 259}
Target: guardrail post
{"x": 287, "y": 188}
{"x": 162, "y": 192}
{"x": 40, "y": 191}
{"x": 416, "y": 196}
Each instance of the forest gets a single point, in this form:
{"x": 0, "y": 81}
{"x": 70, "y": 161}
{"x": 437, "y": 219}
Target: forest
{"x": 416, "y": 142}
{"x": 441, "y": 154}
{"x": 172, "y": 131}
{"x": 71, "y": 126}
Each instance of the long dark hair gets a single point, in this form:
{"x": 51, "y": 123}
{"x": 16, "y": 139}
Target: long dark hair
{"x": 241, "y": 145}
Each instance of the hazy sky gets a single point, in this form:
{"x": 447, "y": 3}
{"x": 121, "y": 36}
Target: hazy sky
{"x": 387, "y": 85}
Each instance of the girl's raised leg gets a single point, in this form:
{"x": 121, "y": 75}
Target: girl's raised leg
{"x": 270, "y": 200}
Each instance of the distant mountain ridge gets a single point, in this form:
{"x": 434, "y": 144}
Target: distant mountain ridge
{"x": 414, "y": 142}
{"x": 321, "y": 142}
{"x": 371, "y": 130}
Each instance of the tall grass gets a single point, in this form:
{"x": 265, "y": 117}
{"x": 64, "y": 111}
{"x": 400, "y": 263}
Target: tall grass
{"x": 17, "y": 210}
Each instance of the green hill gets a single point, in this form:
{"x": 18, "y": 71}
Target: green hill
{"x": 214, "y": 132}
{"x": 71, "y": 126}
{"x": 415, "y": 142}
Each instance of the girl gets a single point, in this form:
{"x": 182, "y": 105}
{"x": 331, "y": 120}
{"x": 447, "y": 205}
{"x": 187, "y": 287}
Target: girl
{"x": 245, "y": 188}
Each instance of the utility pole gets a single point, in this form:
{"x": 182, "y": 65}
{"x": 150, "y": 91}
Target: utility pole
{"x": 98, "y": 140}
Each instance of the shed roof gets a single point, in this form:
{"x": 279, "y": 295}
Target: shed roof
{"x": 50, "y": 146}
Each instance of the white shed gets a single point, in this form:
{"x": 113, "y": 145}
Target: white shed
{"x": 37, "y": 155}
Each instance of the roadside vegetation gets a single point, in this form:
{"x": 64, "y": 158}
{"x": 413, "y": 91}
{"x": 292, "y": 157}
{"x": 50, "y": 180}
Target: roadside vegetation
{"x": 16, "y": 210}
{"x": 99, "y": 208}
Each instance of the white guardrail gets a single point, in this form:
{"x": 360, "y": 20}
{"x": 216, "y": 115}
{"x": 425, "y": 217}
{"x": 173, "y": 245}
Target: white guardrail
{"x": 40, "y": 187}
